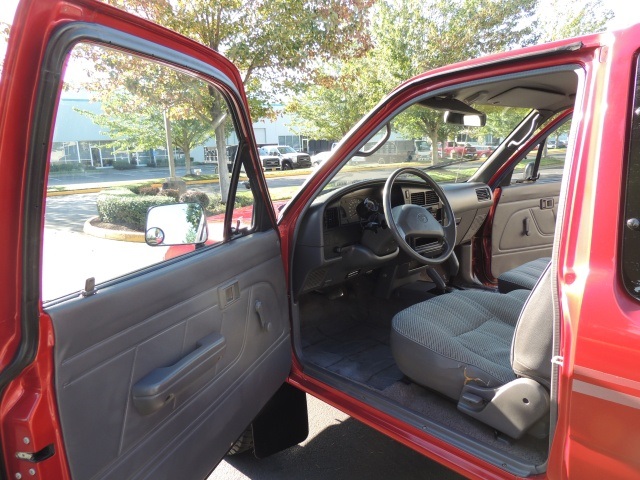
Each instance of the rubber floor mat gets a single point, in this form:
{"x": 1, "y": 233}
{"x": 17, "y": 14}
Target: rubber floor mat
{"x": 360, "y": 353}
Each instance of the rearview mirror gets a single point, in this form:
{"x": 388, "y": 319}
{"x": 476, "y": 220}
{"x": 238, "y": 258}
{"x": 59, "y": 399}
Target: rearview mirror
{"x": 176, "y": 224}
{"x": 466, "y": 119}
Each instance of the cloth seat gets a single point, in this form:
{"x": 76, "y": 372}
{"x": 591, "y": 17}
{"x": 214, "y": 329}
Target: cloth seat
{"x": 523, "y": 277}
{"x": 470, "y": 344}
{"x": 466, "y": 335}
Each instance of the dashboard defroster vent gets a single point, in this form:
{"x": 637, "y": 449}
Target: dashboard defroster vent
{"x": 483, "y": 194}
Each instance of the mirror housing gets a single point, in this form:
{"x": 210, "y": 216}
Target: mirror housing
{"x": 176, "y": 224}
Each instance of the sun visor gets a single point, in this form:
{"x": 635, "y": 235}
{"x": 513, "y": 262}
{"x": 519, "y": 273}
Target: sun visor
{"x": 529, "y": 98}
{"x": 449, "y": 104}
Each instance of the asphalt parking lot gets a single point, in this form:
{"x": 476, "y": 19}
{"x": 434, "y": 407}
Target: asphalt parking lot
{"x": 338, "y": 447}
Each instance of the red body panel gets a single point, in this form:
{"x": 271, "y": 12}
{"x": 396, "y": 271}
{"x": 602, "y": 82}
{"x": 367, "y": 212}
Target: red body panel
{"x": 599, "y": 384}
{"x": 28, "y": 409}
{"x": 600, "y": 333}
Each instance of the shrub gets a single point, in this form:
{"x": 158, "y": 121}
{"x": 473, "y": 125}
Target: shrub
{"x": 244, "y": 200}
{"x": 170, "y": 192}
{"x": 128, "y": 210}
{"x": 148, "y": 190}
{"x": 161, "y": 162}
{"x": 57, "y": 167}
{"x": 123, "y": 165}
{"x": 119, "y": 191}
{"x": 195, "y": 196}
{"x": 215, "y": 207}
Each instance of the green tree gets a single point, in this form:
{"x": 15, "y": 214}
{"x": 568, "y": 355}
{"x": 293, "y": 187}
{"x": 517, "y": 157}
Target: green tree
{"x": 410, "y": 37}
{"x": 329, "y": 108}
{"x": 569, "y": 18}
{"x": 277, "y": 44}
{"x": 147, "y": 105}
{"x": 413, "y": 36}
{"x": 132, "y": 123}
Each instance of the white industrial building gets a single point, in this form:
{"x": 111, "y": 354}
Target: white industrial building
{"x": 77, "y": 139}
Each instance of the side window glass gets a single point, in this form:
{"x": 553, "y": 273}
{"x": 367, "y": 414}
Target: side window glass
{"x": 550, "y": 164}
{"x": 131, "y": 134}
{"x": 631, "y": 226}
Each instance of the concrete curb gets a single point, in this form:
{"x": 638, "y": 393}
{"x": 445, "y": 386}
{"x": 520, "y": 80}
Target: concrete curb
{"x": 60, "y": 193}
{"x": 89, "y": 229}
{"x": 97, "y": 189}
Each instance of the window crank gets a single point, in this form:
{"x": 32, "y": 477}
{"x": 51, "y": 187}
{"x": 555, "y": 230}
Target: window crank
{"x": 264, "y": 324}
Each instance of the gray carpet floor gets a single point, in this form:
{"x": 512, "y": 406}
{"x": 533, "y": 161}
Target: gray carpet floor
{"x": 360, "y": 352}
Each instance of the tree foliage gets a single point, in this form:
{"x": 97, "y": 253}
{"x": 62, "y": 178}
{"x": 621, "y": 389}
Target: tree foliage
{"x": 337, "y": 101}
{"x": 409, "y": 37}
{"x": 277, "y": 44}
{"x": 569, "y": 18}
{"x": 413, "y": 36}
{"x": 141, "y": 100}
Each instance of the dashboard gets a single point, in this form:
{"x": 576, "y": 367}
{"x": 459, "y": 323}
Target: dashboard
{"x": 344, "y": 234}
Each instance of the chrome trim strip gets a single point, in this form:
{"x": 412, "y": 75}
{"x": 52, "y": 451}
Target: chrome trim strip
{"x": 606, "y": 377}
{"x": 606, "y": 394}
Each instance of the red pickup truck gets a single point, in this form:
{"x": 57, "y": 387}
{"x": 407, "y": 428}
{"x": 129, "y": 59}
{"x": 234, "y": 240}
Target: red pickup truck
{"x": 457, "y": 150}
{"x": 486, "y": 316}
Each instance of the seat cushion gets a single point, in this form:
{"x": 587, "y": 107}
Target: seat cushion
{"x": 523, "y": 277}
{"x": 460, "y": 337}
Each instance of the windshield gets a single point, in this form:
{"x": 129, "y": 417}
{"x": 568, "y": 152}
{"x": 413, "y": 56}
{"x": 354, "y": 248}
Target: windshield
{"x": 286, "y": 149}
{"x": 459, "y": 150}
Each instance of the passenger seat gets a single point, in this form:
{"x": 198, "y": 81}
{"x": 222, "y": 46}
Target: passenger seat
{"x": 523, "y": 277}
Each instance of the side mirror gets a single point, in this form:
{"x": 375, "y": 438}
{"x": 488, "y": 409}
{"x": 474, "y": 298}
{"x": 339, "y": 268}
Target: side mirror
{"x": 176, "y": 224}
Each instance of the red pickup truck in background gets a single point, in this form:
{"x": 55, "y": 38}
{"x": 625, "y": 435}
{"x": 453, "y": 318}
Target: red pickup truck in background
{"x": 457, "y": 150}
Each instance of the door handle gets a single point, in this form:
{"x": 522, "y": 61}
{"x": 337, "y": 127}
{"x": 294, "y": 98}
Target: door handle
{"x": 161, "y": 385}
{"x": 525, "y": 226}
{"x": 546, "y": 203}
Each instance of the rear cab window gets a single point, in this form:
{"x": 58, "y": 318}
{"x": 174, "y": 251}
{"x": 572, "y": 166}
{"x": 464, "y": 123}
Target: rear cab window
{"x": 630, "y": 257}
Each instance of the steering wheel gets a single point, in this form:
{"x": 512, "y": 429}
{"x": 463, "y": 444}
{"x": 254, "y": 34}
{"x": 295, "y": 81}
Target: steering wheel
{"x": 409, "y": 223}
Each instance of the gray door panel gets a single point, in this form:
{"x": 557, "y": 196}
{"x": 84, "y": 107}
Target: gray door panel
{"x": 523, "y": 224}
{"x": 152, "y": 370}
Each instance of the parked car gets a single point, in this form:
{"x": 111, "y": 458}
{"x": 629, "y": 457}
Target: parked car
{"x": 319, "y": 158}
{"x": 483, "y": 151}
{"x": 484, "y": 315}
{"x": 457, "y": 150}
{"x": 289, "y": 158}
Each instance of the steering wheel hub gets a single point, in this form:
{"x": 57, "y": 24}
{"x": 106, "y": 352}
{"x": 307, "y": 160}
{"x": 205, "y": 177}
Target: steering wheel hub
{"x": 415, "y": 229}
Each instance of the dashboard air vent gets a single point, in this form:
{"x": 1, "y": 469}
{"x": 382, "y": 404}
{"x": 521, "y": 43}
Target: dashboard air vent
{"x": 331, "y": 218}
{"x": 483, "y": 194}
{"x": 427, "y": 197}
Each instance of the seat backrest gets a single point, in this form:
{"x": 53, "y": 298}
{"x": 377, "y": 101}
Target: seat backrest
{"x": 531, "y": 348}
